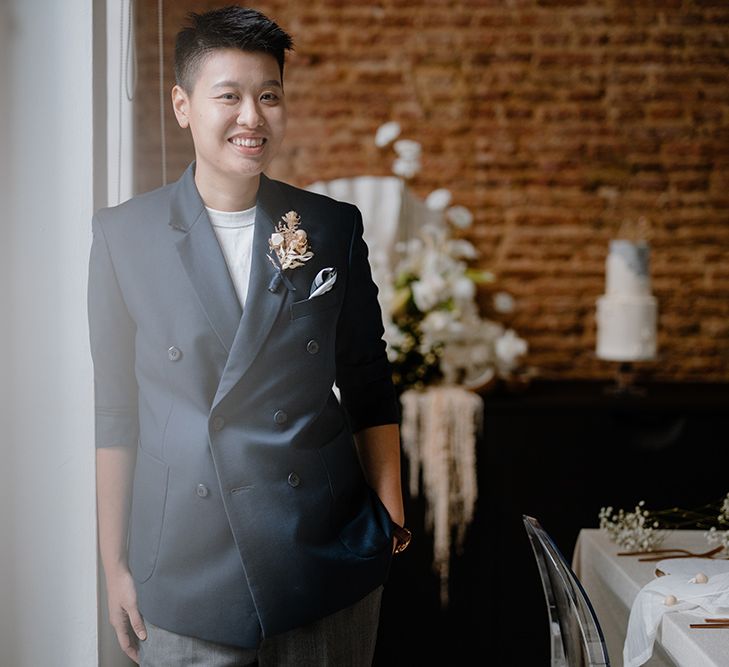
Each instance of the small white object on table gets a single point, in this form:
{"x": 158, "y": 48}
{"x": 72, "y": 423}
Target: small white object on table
{"x": 613, "y": 582}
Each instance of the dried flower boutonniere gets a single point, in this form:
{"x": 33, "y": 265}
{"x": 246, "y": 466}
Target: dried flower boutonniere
{"x": 290, "y": 244}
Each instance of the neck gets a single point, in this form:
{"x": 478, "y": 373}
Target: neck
{"x": 224, "y": 195}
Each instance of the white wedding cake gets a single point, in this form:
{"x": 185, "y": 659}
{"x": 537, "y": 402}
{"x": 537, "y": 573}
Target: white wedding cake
{"x": 627, "y": 312}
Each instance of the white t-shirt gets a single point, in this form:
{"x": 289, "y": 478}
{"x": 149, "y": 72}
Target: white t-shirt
{"x": 234, "y": 230}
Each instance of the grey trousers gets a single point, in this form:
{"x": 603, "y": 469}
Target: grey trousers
{"x": 346, "y": 638}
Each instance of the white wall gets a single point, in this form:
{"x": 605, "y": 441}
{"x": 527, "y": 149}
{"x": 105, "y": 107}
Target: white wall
{"x": 7, "y": 557}
{"x": 48, "y": 524}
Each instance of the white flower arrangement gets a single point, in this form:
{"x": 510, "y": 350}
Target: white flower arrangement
{"x": 433, "y": 328}
{"x": 636, "y": 530}
{"x": 438, "y": 342}
{"x": 645, "y": 530}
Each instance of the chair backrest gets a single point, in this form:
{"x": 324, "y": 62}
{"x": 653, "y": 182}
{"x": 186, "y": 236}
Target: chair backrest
{"x": 576, "y": 638}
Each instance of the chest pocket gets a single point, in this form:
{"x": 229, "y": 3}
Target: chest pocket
{"x": 306, "y": 307}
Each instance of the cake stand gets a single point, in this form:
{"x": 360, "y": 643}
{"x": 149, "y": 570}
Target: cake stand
{"x": 624, "y": 385}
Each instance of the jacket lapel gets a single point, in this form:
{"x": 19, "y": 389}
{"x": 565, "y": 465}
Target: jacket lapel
{"x": 203, "y": 259}
{"x": 262, "y": 304}
{"x": 242, "y": 334}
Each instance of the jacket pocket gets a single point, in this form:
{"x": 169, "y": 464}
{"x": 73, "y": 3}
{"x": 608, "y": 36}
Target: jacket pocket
{"x": 149, "y": 494}
{"x": 305, "y": 307}
{"x": 360, "y": 518}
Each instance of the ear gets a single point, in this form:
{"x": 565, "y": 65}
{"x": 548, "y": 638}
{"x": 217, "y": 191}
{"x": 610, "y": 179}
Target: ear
{"x": 181, "y": 106}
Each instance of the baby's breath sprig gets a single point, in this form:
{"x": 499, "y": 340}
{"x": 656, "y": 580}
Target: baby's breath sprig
{"x": 645, "y": 530}
{"x": 720, "y": 532}
{"x": 637, "y": 530}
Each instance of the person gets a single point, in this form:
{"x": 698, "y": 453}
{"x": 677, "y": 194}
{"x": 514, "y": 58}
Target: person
{"x": 248, "y": 449}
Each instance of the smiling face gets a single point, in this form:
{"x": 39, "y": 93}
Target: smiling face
{"x": 237, "y": 116}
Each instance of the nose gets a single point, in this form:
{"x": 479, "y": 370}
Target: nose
{"x": 248, "y": 114}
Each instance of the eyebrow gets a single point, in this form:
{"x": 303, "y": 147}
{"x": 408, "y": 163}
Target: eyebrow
{"x": 225, "y": 84}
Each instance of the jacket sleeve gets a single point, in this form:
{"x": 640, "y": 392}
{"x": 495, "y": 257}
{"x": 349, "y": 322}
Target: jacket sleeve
{"x": 111, "y": 332}
{"x": 364, "y": 373}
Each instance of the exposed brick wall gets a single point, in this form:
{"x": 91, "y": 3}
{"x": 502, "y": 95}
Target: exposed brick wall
{"x": 553, "y": 120}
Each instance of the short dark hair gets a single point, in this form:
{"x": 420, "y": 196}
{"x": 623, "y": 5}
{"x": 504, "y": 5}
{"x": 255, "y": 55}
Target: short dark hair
{"x": 223, "y": 28}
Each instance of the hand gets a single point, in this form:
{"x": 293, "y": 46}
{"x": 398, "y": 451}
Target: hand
{"x": 124, "y": 615}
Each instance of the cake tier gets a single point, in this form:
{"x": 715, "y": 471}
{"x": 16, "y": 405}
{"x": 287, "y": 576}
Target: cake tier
{"x": 627, "y": 268}
{"x": 626, "y": 328}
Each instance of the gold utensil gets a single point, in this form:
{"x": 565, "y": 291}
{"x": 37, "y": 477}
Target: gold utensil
{"x": 670, "y": 553}
{"x": 712, "y": 623}
{"x": 706, "y": 554}
{"x": 667, "y": 551}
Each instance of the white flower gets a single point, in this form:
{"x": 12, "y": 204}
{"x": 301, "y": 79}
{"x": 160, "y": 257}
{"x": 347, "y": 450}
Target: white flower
{"x": 427, "y": 292}
{"x": 438, "y": 199}
{"x": 434, "y": 330}
{"x": 459, "y": 216}
{"x": 441, "y": 326}
{"x": 405, "y": 168}
{"x": 509, "y": 348}
{"x": 394, "y": 337}
{"x": 721, "y": 536}
{"x": 387, "y": 133}
{"x": 462, "y": 248}
{"x": 436, "y": 320}
{"x": 276, "y": 239}
{"x": 464, "y": 289}
{"x": 503, "y": 302}
{"x": 408, "y": 149}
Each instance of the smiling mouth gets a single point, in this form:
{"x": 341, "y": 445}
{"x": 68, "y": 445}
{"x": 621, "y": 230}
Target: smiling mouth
{"x": 248, "y": 142}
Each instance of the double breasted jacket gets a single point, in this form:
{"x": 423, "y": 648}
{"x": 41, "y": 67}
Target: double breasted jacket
{"x": 250, "y": 513}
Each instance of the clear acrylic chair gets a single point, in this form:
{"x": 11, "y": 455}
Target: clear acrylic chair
{"x": 576, "y": 638}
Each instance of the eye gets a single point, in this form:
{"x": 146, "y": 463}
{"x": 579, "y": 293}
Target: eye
{"x": 269, "y": 97}
{"x": 228, "y": 96}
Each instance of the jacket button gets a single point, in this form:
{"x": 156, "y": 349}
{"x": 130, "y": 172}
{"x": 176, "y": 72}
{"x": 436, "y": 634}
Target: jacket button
{"x": 280, "y": 417}
{"x": 174, "y": 353}
{"x": 312, "y": 347}
{"x": 218, "y": 423}
{"x": 202, "y": 490}
{"x": 293, "y": 479}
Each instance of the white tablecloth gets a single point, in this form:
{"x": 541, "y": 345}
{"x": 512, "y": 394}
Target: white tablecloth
{"x": 612, "y": 583}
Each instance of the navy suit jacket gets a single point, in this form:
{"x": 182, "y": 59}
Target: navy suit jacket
{"x": 250, "y": 513}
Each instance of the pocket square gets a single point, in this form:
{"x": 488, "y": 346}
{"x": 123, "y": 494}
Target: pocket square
{"x": 323, "y": 282}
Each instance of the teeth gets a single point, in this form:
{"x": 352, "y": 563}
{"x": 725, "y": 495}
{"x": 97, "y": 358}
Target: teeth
{"x": 249, "y": 143}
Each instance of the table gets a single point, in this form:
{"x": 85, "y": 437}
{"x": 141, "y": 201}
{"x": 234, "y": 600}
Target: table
{"x": 612, "y": 583}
